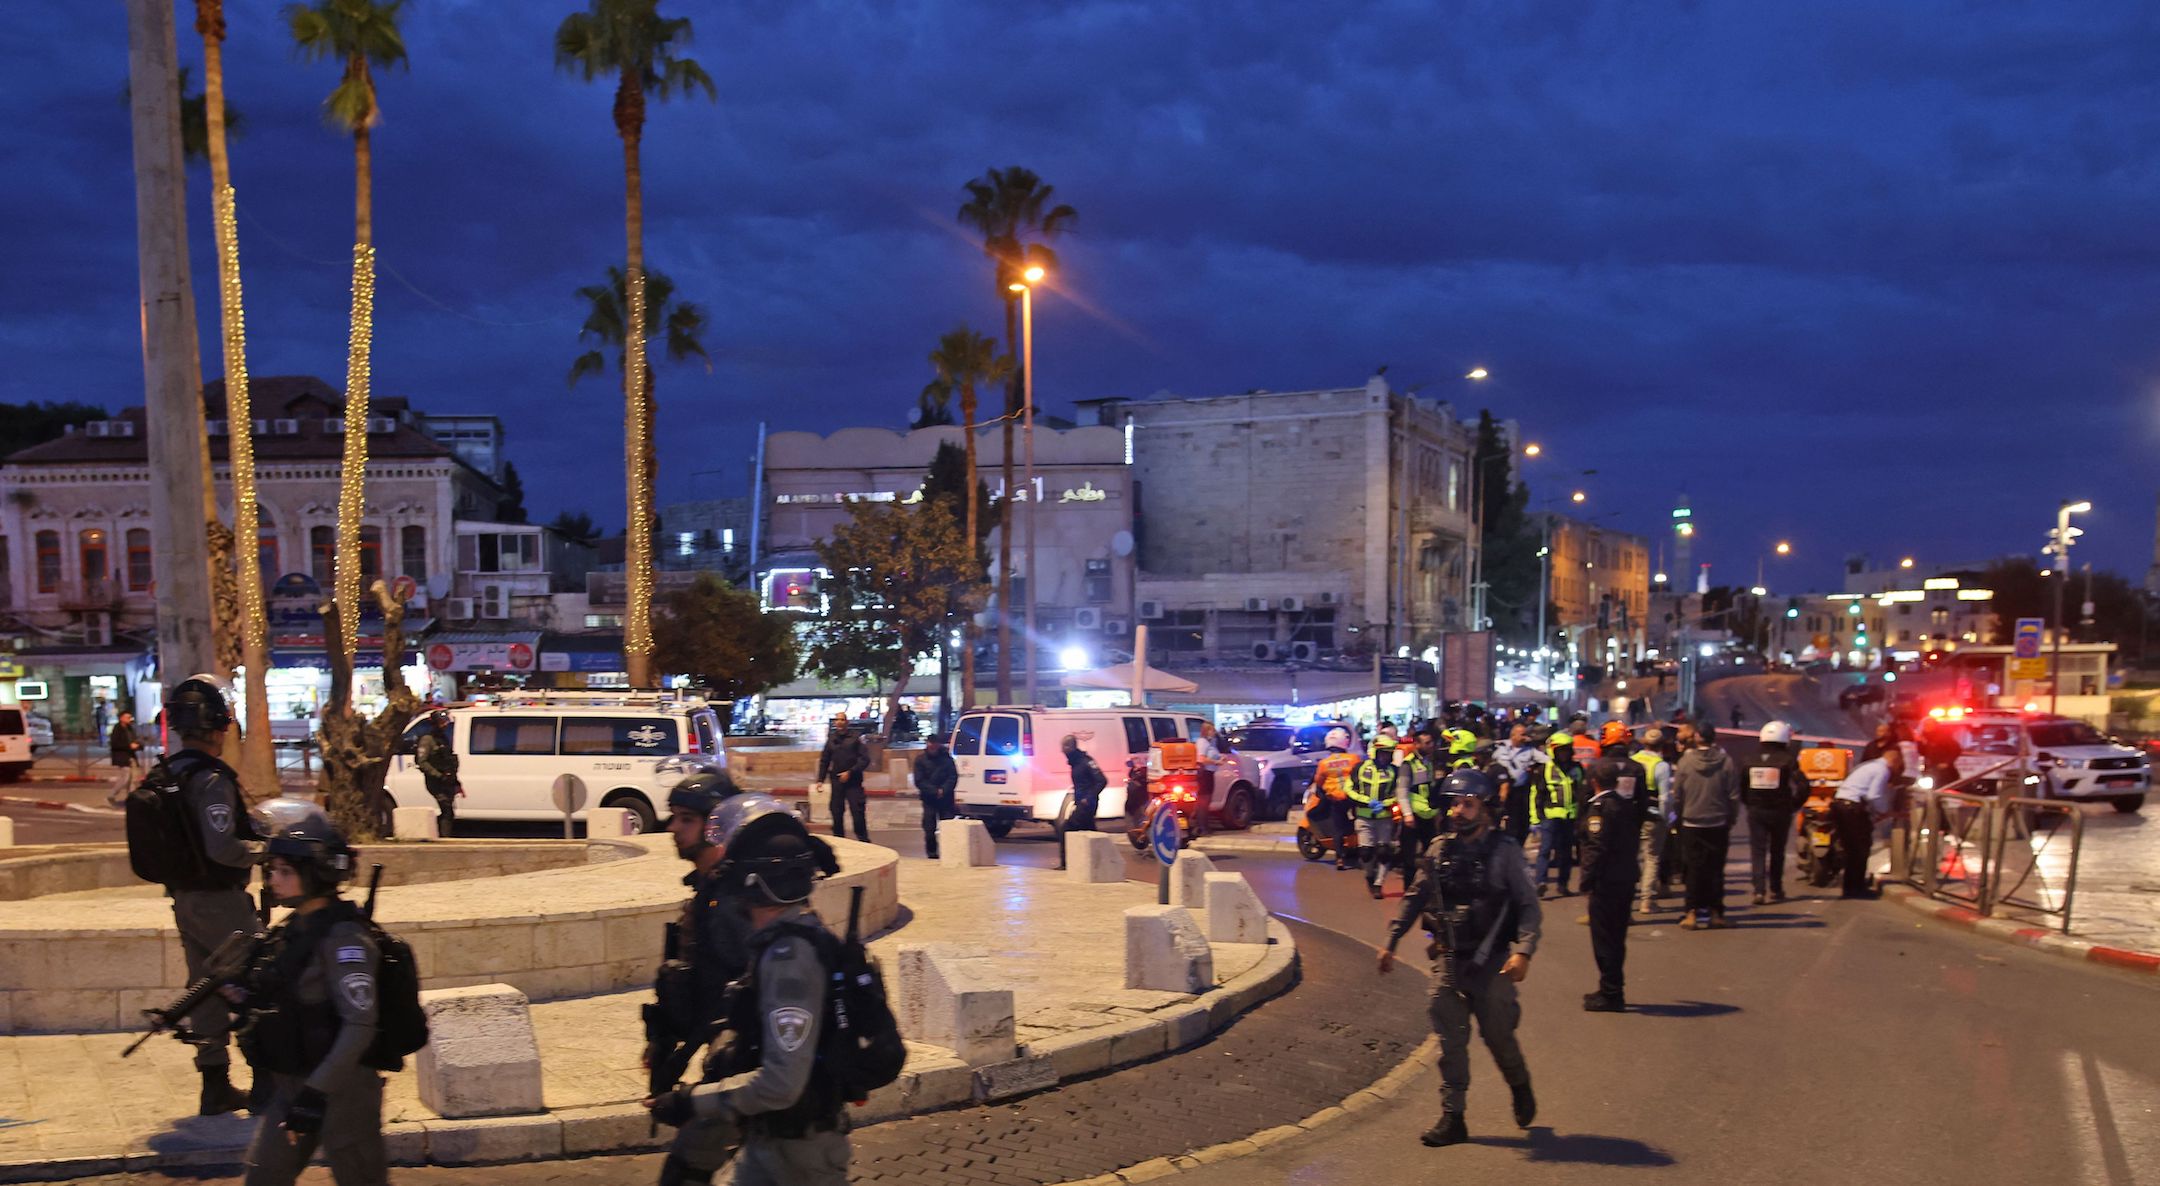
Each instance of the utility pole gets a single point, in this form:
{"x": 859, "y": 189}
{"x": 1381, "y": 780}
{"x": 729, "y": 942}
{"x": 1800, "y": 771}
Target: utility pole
{"x": 172, "y": 364}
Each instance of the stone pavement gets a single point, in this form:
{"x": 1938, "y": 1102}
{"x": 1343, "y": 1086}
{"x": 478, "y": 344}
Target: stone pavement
{"x": 70, "y": 1095}
{"x": 1290, "y": 1058}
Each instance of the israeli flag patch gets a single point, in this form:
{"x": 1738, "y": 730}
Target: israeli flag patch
{"x": 352, "y": 955}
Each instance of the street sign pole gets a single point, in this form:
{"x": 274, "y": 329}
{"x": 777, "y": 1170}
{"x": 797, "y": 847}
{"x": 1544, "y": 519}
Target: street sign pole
{"x": 1164, "y": 835}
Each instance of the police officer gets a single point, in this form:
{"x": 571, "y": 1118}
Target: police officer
{"x": 777, "y": 1094}
{"x": 841, "y": 766}
{"x": 315, "y": 1012}
{"x": 936, "y": 778}
{"x": 437, "y": 760}
{"x": 1088, "y": 781}
{"x": 1372, "y": 806}
{"x": 210, "y": 905}
{"x": 1477, "y": 902}
{"x": 711, "y": 950}
{"x": 1609, "y": 844}
{"x": 1772, "y": 791}
{"x": 1553, "y": 802}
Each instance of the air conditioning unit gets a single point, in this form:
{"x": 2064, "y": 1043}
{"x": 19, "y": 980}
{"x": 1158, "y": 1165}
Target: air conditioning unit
{"x": 376, "y": 425}
{"x": 1257, "y": 605}
{"x": 1304, "y": 652}
{"x": 494, "y": 601}
{"x": 334, "y": 425}
{"x": 1291, "y": 605}
{"x": 123, "y": 428}
{"x": 1267, "y": 650}
{"x": 1087, "y": 618}
{"x": 215, "y": 428}
{"x": 1118, "y": 627}
{"x": 262, "y": 428}
{"x": 1327, "y": 598}
{"x": 98, "y": 428}
{"x": 97, "y": 630}
{"x": 457, "y": 609}
{"x": 1150, "y": 611}
{"x": 285, "y": 428}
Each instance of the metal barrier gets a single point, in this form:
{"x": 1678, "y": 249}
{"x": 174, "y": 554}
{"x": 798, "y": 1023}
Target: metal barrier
{"x": 1993, "y": 852}
{"x": 2033, "y": 875}
{"x": 1951, "y": 849}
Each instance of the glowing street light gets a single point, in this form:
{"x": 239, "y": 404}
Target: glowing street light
{"x": 1578, "y": 496}
{"x": 2065, "y": 536}
{"x": 1783, "y": 548}
{"x": 1533, "y": 449}
{"x": 1478, "y": 373}
{"x": 1030, "y": 276}
{"x": 1905, "y": 563}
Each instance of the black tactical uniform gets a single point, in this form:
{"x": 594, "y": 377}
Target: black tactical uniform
{"x": 1610, "y": 844}
{"x": 709, "y": 952}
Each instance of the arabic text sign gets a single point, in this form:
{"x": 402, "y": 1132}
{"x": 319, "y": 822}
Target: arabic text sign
{"x": 472, "y": 656}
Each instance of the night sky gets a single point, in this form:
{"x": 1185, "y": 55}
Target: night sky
{"x": 1867, "y": 277}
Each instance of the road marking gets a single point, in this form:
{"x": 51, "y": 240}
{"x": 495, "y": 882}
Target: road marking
{"x": 2114, "y": 1132}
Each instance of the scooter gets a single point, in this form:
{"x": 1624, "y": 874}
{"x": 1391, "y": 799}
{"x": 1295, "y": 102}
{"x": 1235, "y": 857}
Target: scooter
{"x": 1818, "y": 859}
{"x": 1181, "y": 790}
{"x": 1312, "y": 843}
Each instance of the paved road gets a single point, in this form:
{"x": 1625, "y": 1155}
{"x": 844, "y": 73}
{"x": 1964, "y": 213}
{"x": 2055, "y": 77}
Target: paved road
{"x": 1808, "y": 704}
{"x": 1818, "y": 1041}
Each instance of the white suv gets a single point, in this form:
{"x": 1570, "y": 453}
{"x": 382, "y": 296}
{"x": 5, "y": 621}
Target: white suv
{"x": 2081, "y": 764}
{"x": 511, "y": 750}
{"x": 1279, "y": 759}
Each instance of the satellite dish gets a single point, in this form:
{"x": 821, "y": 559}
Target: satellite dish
{"x": 1122, "y": 543}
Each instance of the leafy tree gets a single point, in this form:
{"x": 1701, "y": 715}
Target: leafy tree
{"x": 1510, "y": 538}
{"x": 630, "y": 42}
{"x": 962, "y": 361}
{"x": 577, "y": 525}
{"x": 195, "y": 121}
{"x": 901, "y": 573}
{"x": 24, "y": 425}
{"x": 2120, "y": 609}
{"x": 720, "y": 635}
{"x": 512, "y": 507}
{"x": 1011, "y": 209}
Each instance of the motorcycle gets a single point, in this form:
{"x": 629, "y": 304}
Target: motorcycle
{"x": 1312, "y": 843}
{"x": 1818, "y": 858}
{"x": 1181, "y": 790}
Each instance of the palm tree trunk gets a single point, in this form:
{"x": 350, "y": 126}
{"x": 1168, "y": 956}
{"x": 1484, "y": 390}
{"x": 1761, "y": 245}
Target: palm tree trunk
{"x": 1004, "y": 594}
{"x": 258, "y": 763}
{"x": 172, "y": 370}
{"x": 637, "y": 427}
{"x": 967, "y": 627}
{"x": 352, "y": 484}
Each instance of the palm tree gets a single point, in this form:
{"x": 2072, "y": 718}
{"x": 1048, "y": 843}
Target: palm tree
{"x": 361, "y": 34}
{"x": 962, "y": 360}
{"x": 1006, "y": 207}
{"x": 606, "y": 316}
{"x": 258, "y": 762}
{"x": 630, "y": 41}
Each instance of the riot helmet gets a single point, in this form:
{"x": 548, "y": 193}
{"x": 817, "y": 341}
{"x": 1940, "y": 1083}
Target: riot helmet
{"x": 298, "y": 832}
{"x": 767, "y": 855}
{"x": 198, "y": 705}
{"x": 1338, "y": 738}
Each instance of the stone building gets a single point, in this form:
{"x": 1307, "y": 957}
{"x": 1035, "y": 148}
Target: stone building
{"x": 1600, "y": 587}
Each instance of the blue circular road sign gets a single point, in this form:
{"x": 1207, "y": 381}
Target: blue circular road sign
{"x": 1163, "y": 832}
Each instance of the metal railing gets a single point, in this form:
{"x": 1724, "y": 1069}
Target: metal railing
{"x": 1993, "y": 852}
{"x": 2032, "y": 875}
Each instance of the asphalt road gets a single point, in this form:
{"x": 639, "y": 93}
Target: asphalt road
{"x": 1808, "y": 704}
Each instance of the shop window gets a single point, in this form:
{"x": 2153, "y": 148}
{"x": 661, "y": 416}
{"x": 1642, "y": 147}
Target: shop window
{"x": 620, "y": 736}
{"x": 92, "y": 545}
{"x": 412, "y": 552}
{"x": 48, "y": 561}
{"x": 138, "y": 559}
{"x": 513, "y": 735}
{"x": 322, "y": 547}
{"x": 370, "y": 555}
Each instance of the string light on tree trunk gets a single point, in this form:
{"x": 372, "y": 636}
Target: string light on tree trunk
{"x": 352, "y": 481}
{"x": 240, "y": 438}
{"x": 637, "y": 621}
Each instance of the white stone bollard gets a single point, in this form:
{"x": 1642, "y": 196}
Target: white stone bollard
{"x": 965, "y": 844}
{"x": 7, "y": 832}
{"x": 1165, "y": 951}
{"x": 1092, "y": 858}
{"x": 415, "y": 823}
{"x": 946, "y": 1000}
{"x": 1234, "y": 912}
{"x": 481, "y": 1058}
{"x": 1188, "y": 880}
{"x": 608, "y": 823}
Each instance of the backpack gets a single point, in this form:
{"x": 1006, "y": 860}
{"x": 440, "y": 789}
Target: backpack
{"x": 859, "y": 1044}
{"x": 401, "y": 1026}
{"x": 162, "y": 846}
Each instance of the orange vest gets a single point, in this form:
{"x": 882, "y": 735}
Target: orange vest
{"x": 1332, "y": 776}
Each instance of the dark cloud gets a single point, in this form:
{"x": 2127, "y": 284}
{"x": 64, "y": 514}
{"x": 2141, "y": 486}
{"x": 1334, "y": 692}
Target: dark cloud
{"x": 1866, "y": 278}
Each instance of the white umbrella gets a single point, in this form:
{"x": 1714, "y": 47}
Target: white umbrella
{"x": 1122, "y": 676}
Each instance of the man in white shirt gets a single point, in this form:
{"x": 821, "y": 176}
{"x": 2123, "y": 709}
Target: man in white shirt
{"x": 1866, "y": 798}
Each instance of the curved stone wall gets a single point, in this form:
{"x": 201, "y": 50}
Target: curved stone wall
{"x": 94, "y": 963}
{"x": 78, "y": 868}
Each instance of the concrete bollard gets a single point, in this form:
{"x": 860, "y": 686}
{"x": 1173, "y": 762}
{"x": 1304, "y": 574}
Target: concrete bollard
{"x": 607, "y": 823}
{"x": 1234, "y": 912}
{"x": 1165, "y": 951}
{"x": 415, "y": 823}
{"x": 965, "y": 844}
{"x": 1188, "y": 880}
{"x": 1092, "y": 858}
{"x": 481, "y": 1058}
{"x": 947, "y": 1000}
{"x": 7, "y": 832}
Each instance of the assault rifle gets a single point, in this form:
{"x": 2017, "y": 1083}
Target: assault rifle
{"x": 235, "y": 961}
{"x": 672, "y": 1033}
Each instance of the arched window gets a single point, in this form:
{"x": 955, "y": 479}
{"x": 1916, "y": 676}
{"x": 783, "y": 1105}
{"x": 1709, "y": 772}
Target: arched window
{"x": 96, "y": 568}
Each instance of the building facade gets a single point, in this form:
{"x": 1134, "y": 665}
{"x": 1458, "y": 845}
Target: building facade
{"x": 1600, "y": 587}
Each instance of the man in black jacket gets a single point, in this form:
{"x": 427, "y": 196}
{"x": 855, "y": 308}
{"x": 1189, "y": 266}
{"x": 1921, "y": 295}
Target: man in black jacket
{"x": 841, "y": 766}
{"x": 1772, "y": 791}
{"x": 936, "y": 778}
{"x": 1088, "y": 781}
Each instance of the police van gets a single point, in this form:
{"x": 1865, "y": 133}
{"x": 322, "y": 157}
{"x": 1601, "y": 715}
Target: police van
{"x": 628, "y": 747}
{"x": 1012, "y": 765}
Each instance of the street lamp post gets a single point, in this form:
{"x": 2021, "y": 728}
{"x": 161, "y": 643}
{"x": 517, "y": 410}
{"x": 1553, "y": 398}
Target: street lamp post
{"x": 2062, "y": 578}
{"x": 1026, "y": 288}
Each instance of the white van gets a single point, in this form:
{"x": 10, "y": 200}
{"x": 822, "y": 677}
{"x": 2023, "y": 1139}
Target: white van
{"x": 15, "y": 755}
{"x": 511, "y": 750}
{"x": 1012, "y": 769}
